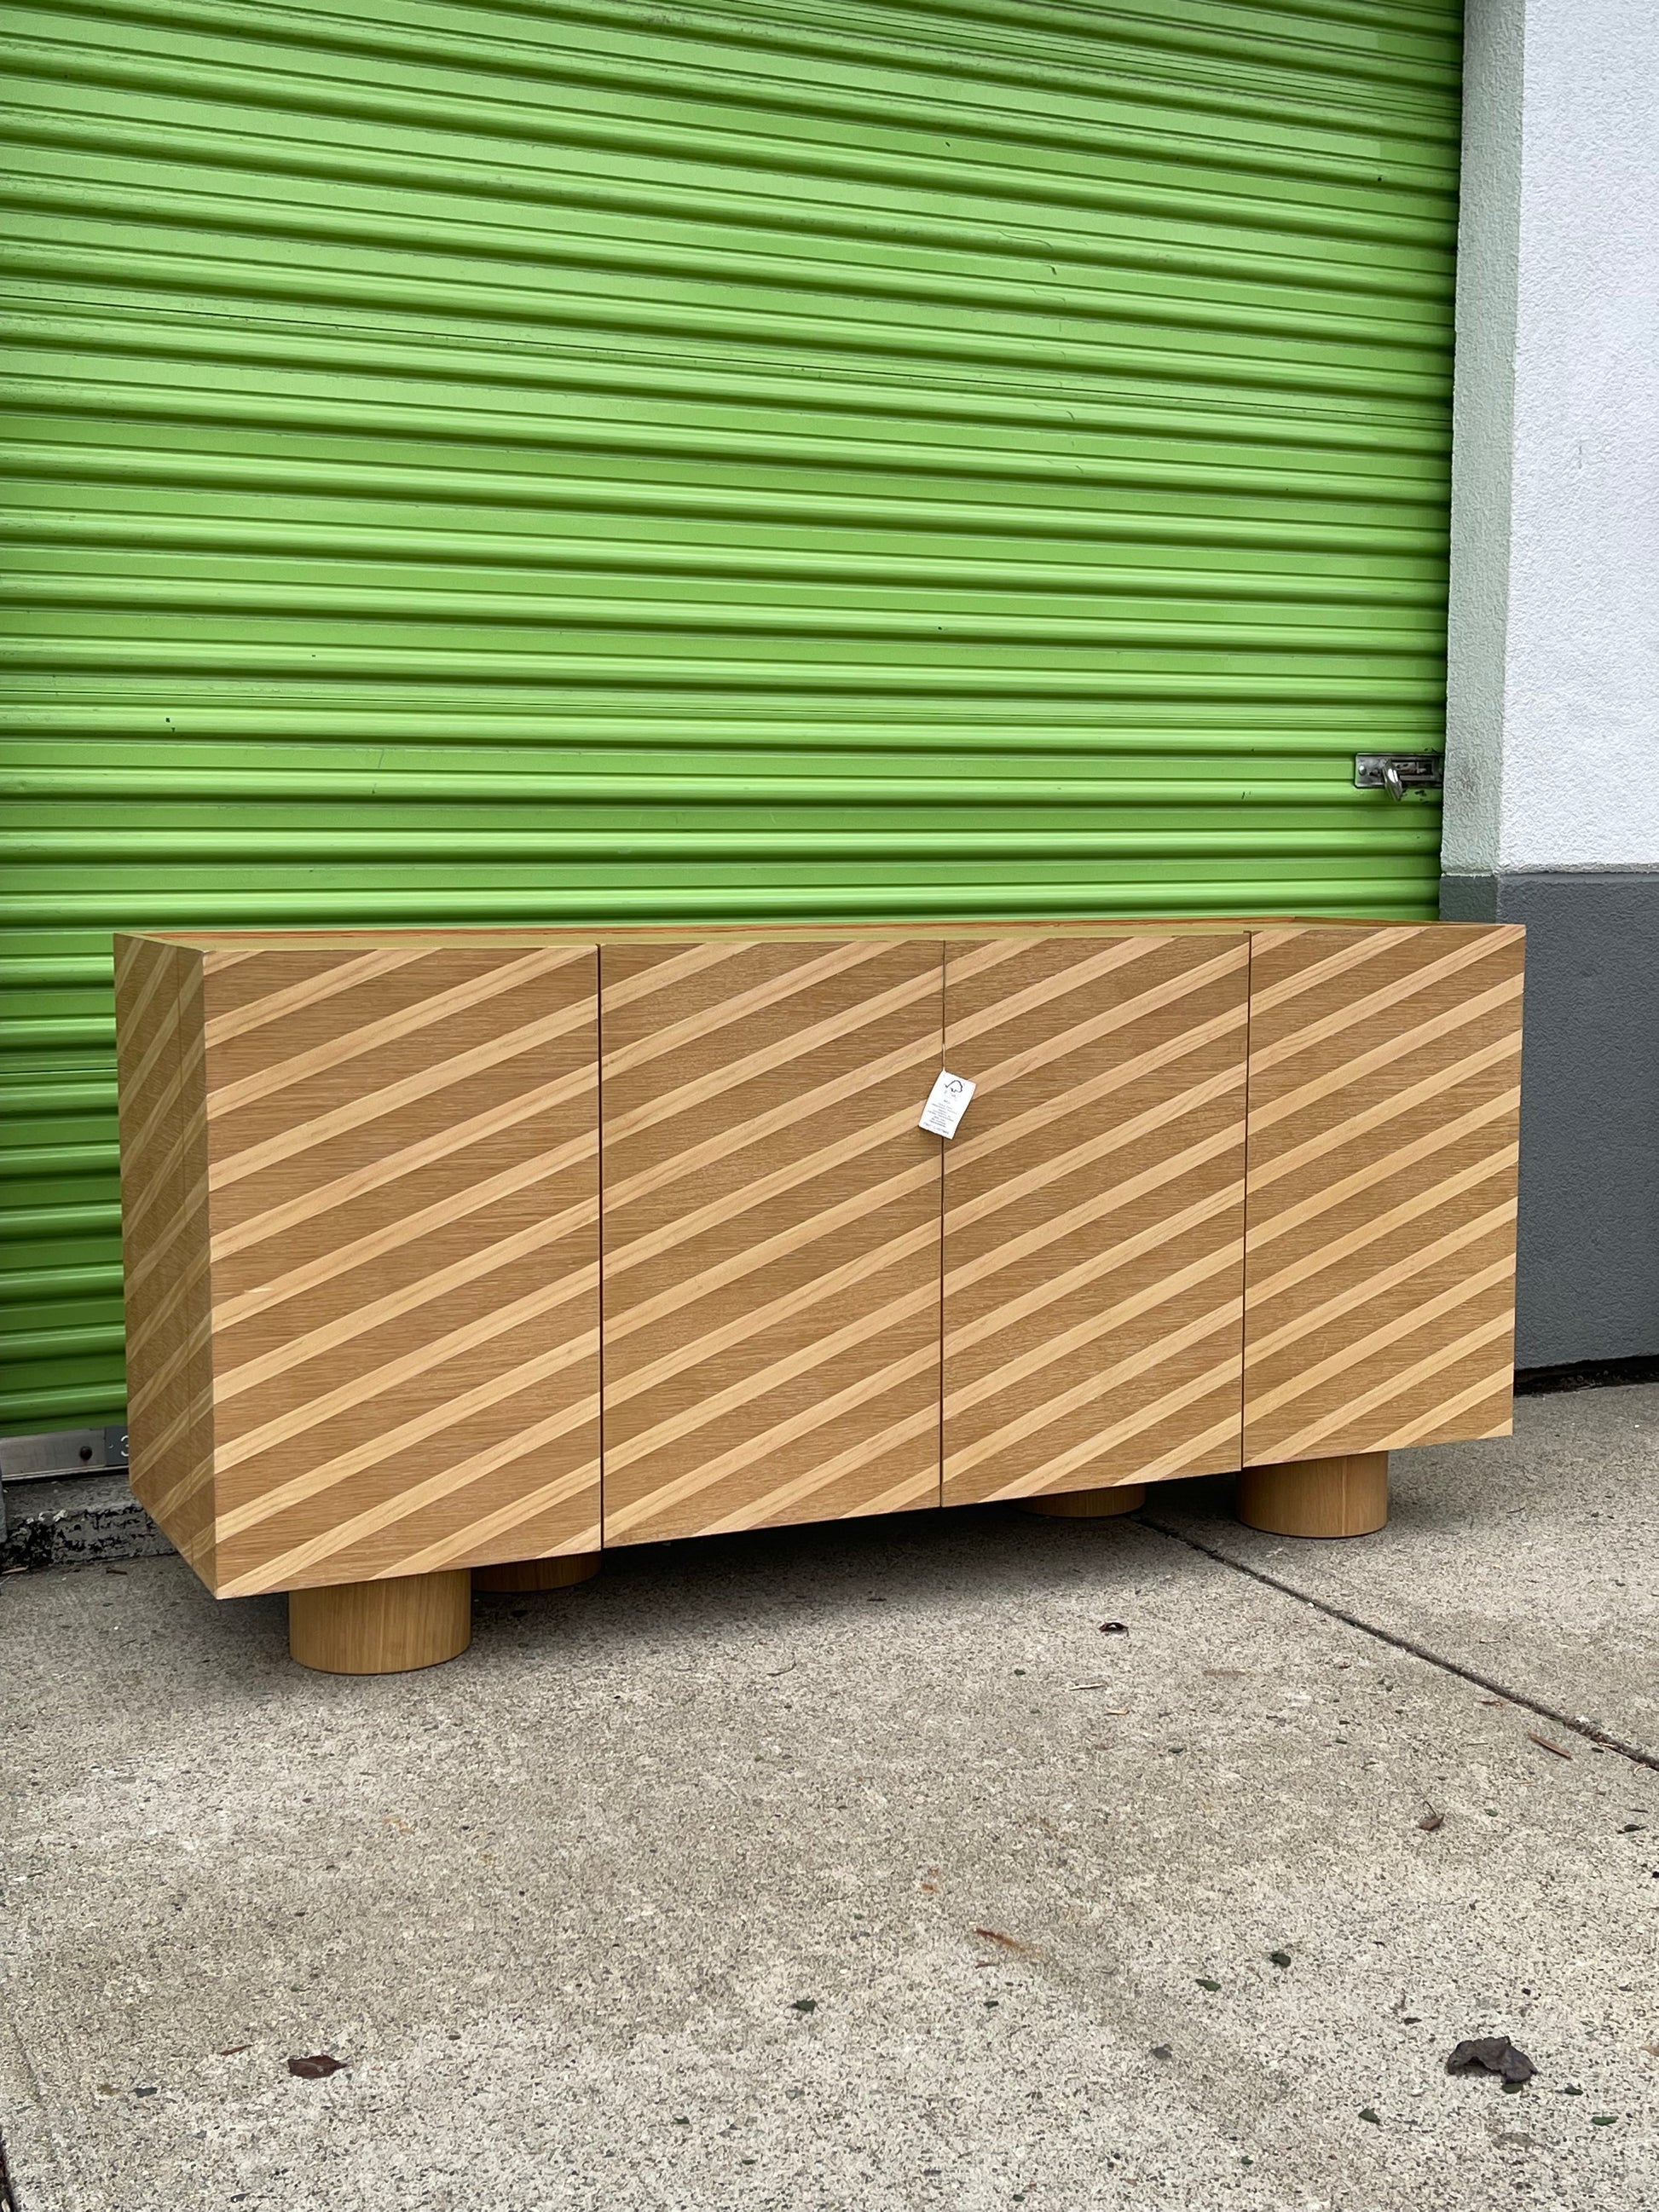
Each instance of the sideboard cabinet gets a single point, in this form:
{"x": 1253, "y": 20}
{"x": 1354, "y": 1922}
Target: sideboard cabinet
{"x": 491, "y": 1250}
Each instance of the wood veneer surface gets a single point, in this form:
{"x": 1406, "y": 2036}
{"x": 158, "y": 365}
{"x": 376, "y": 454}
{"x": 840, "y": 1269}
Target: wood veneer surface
{"x": 1094, "y": 1212}
{"x": 1385, "y": 1078}
{"x": 382, "y": 1627}
{"x": 403, "y": 1159}
{"x": 772, "y": 1232}
{"x": 164, "y": 1232}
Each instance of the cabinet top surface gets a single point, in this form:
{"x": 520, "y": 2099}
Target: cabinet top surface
{"x": 681, "y": 932}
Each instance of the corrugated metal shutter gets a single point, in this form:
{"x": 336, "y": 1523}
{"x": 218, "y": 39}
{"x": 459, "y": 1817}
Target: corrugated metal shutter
{"x": 807, "y": 457}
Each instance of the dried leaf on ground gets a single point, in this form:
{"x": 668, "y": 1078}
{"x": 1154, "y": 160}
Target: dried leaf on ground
{"x": 317, "y": 2068}
{"x": 1491, "y": 2054}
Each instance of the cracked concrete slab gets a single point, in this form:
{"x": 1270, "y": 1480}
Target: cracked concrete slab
{"x": 1533, "y": 1558}
{"x": 834, "y": 1866}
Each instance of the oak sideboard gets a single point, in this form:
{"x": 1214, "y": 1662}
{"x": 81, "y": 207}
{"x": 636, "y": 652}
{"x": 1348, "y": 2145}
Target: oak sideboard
{"x": 490, "y": 1250}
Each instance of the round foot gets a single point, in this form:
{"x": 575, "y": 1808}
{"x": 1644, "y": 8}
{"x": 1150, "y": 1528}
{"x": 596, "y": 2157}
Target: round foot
{"x": 1088, "y": 1504}
{"x": 538, "y": 1574}
{"x": 1343, "y": 1496}
{"x": 384, "y": 1628}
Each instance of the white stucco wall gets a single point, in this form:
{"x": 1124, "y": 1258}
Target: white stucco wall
{"x": 1552, "y": 739}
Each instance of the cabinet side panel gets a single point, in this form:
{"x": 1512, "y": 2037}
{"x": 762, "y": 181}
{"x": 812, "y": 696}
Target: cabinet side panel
{"x": 147, "y": 1065}
{"x": 405, "y": 1173}
{"x": 771, "y": 1233}
{"x": 1094, "y": 1212}
{"x": 1385, "y": 1072}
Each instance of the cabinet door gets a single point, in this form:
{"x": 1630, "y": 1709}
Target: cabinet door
{"x": 402, "y": 1159}
{"x": 771, "y": 1233}
{"x": 1094, "y": 1212}
{"x": 1380, "y": 1284}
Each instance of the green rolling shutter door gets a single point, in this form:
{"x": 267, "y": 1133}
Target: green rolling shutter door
{"x": 798, "y": 458}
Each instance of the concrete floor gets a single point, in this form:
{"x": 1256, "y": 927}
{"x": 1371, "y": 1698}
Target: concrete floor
{"x": 856, "y": 1868}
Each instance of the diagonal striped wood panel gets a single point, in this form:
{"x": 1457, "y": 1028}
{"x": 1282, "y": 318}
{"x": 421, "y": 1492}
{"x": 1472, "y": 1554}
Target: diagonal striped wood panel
{"x": 164, "y": 1236}
{"x": 403, "y": 1158}
{"x": 772, "y": 1225}
{"x": 1094, "y": 1212}
{"x": 1385, "y": 1076}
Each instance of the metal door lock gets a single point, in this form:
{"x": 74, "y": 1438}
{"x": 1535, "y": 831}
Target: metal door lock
{"x": 1399, "y": 773}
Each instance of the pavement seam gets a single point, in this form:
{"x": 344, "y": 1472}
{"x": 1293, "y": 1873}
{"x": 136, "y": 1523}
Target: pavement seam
{"x": 1577, "y": 1722}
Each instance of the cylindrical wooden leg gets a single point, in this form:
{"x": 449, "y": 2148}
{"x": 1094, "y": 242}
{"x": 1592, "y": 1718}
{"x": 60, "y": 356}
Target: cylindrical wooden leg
{"x": 384, "y": 1628}
{"x": 1343, "y": 1496}
{"x": 538, "y": 1574}
{"x": 1088, "y": 1504}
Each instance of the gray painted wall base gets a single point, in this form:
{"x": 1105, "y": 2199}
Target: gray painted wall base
{"x": 1588, "y": 1284}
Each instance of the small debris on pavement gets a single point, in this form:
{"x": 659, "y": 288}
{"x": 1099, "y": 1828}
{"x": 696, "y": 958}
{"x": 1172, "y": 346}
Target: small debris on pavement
{"x": 804, "y": 2004}
{"x": 1492, "y": 2054}
{"x": 1544, "y": 1744}
{"x": 1162, "y": 2051}
{"x": 1006, "y": 1942}
{"x": 1204, "y": 1983}
{"x": 1279, "y": 1958}
{"x": 1432, "y": 1821}
{"x": 231, "y": 2048}
{"x": 1366, "y": 2113}
{"x": 317, "y": 2068}
{"x": 1114, "y": 1628}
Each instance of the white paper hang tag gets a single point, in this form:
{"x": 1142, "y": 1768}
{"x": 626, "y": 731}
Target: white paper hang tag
{"x": 947, "y": 1102}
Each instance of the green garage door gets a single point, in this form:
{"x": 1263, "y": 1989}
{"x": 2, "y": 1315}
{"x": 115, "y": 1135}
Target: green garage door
{"x": 494, "y": 462}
